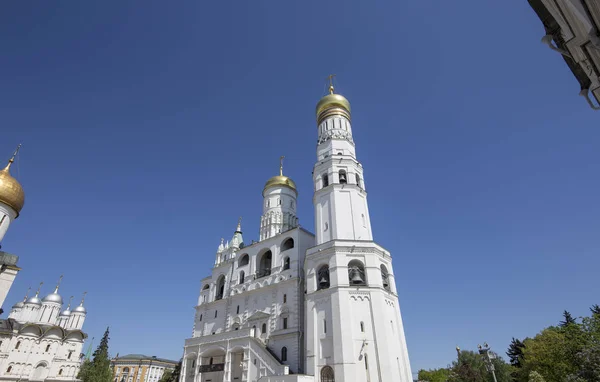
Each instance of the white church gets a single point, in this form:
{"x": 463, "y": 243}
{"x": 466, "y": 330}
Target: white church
{"x": 39, "y": 341}
{"x": 298, "y": 306}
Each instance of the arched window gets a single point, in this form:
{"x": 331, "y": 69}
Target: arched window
{"x": 324, "y": 326}
{"x": 325, "y": 180}
{"x": 48, "y": 348}
{"x": 288, "y": 244}
{"x": 264, "y": 329}
{"x": 367, "y": 362}
{"x": 216, "y": 312}
{"x": 265, "y": 264}
{"x": 385, "y": 278}
{"x": 362, "y": 326}
{"x": 17, "y": 345}
{"x": 243, "y": 260}
{"x": 284, "y": 323}
{"x": 242, "y": 274}
{"x": 356, "y": 273}
{"x": 220, "y": 288}
{"x": 279, "y": 201}
{"x": 200, "y": 318}
{"x": 323, "y": 277}
{"x": 210, "y": 362}
{"x": 358, "y": 180}
{"x": 284, "y": 354}
{"x": 254, "y": 328}
{"x": 237, "y": 311}
{"x": 343, "y": 177}
{"x": 60, "y": 372}
{"x": 327, "y": 374}
{"x": 9, "y": 370}
{"x": 206, "y": 287}
{"x": 286, "y": 263}
{"x": 284, "y": 298}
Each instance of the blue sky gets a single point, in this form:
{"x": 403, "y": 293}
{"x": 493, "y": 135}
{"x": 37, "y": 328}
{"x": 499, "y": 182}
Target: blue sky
{"x": 147, "y": 130}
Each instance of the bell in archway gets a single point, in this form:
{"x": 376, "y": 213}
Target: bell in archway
{"x": 356, "y": 279}
{"x": 323, "y": 283}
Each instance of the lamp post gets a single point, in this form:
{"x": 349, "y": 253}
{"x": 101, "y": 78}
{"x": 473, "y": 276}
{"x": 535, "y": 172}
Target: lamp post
{"x": 487, "y": 358}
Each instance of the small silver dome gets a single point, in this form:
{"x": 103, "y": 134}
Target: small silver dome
{"x": 19, "y": 304}
{"x": 34, "y": 300}
{"x": 65, "y": 312}
{"x": 79, "y": 309}
{"x": 53, "y": 297}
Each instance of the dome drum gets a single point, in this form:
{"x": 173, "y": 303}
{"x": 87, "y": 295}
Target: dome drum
{"x": 332, "y": 104}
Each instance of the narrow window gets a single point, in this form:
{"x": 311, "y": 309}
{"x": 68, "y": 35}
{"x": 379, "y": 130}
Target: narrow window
{"x": 254, "y": 328}
{"x": 268, "y": 202}
{"x": 284, "y": 354}
{"x": 216, "y": 312}
{"x": 392, "y": 324}
{"x": 242, "y": 276}
{"x": 47, "y": 348}
{"x": 366, "y": 362}
{"x": 325, "y": 180}
{"x": 343, "y": 178}
{"x": 237, "y": 311}
{"x": 285, "y": 322}
{"x": 264, "y": 328}
{"x": 17, "y": 345}
{"x": 284, "y": 298}
{"x": 358, "y": 180}
{"x": 60, "y": 372}
{"x": 279, "y": 201}
{"x": 362, "y": 326}
{"x": 211, "y": 361}
{"x": 324, "y": 326}
{"x": 8, "y": 370}
{"x": 286, "y": 263}
{"x": 200, "y": 318}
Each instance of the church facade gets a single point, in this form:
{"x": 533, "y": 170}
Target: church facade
{"x": 298, "y": 306}
{"x": 39, "y": 341}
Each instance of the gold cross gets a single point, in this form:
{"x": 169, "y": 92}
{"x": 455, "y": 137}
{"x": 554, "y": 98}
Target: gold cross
{"x": 330, "y": 78}
{"x": 281, "y": 165}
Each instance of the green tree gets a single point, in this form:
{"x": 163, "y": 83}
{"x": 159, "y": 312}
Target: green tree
{"x": 515, "y": 352}
{"x": 176, "y": 372}
{"x": 98, "y": 369}
{"x": 595, "y": 309}
{"x": 434, "y": 375}
{"x": 166, "y": 377}
{"x": 534, "y": 376}
{"x": 470, "y": 367}
{"x": 568, "y": 319}
{"x": 549, "y": 354}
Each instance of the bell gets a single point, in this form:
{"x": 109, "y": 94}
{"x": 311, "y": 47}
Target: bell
{"x": 343, "y": 178}
{"x": 323, "y": 282}
{"x": 386, "y": 285}
{"x": 356, "y": 279}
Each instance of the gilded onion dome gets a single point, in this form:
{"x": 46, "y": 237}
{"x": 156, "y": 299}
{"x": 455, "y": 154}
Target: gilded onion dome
{"x": 332, "y": 104}
{"x": 11, "y": 192}
{"x": 281, "y": 180}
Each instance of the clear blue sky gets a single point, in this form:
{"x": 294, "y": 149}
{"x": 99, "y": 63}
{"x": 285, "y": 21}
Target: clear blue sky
{"x": 147, "y": 130}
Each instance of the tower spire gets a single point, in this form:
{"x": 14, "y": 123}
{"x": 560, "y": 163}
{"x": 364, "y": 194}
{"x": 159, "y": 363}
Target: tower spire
{"x": 239, "y": 225}
{"x": 27, "y": 294}
{"x": 70, "y": 299}
{"x": 38, "y": 290}
{"x": 58, "y": 284}
{"x": 12, "y": 159}
{"x": 281, "y": 165}
{"x": 83, "y": 299}
{"x": 330, "y": 78}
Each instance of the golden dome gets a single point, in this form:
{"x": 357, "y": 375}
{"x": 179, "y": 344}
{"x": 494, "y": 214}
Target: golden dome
{"x": 332, "y": 104}
{"x": 280, "y": 180}
{"x": 11, "y": 192}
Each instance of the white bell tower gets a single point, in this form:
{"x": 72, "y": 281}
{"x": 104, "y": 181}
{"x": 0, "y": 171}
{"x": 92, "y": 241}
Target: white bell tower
{"x": 354, "y": 330}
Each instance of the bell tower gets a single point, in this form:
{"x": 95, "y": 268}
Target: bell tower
{"x": 354, "y": 328}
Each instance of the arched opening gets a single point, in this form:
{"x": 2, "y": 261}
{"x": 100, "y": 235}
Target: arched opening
{"x": 286, "y": 263}
{"x": 39, "y": 372}
{"x": 284, "y": 354}
{"x": 200, "y": 318}
{"x": 288, "y": 244}
{"x": 362, "y": 326}
{"x": 242, "y": 275}
{"x": 60, "y": 372}
{"x": 47, "y": 348}
{"x": 358, "y": 180}
{"x": 327, "y": 374}
{"x": 237, "y": 311}
{"x": 284, "y": 298}
{"x": 254, "y": 329}
{"x": 9, "y": 370}
{"x": 17, "y": 345}
{"x": 243, "y": 260}
{"x": 325, "y": 179}
{"x": 265, "y": 264}
{"x": 385, "y": 278}
{"x": 343, "y": 177}
{"x": 323, "y": 277}
{"x": 356, "y": 273}
{"x": 206, "y": 287}
{"x": 220, "y": 288}
{"x": 264, "y": 329}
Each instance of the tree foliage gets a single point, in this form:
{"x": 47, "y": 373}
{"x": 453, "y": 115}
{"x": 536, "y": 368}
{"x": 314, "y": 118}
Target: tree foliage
{"x": 166, "y": 377}
{"x": 98, "y": 369}
{"x": 534, "y": 376}
{"x": 568, "y": 319}
{"x": 515, "y": 352}
{"x": 595, "y": 309}
{"x": 434, "y": 375}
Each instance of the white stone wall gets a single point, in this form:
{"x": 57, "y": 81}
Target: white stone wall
{"x": 7, "y": 215}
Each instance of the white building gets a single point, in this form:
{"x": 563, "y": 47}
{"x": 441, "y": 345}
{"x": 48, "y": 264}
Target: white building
{"x": 38, "y": 341}
{"x": 302, "y": 307}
